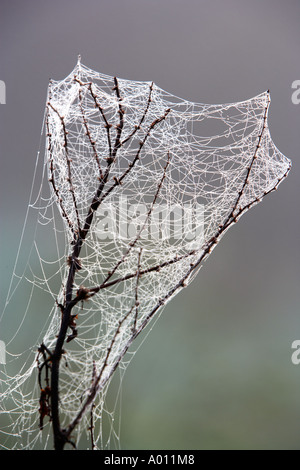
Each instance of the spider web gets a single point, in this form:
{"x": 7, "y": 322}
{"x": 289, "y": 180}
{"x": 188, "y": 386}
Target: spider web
{"x": 136, "y": 189}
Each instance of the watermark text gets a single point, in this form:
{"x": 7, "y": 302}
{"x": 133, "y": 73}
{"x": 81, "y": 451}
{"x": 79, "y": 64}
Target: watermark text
{"x": 296, "y": 93}
{"x": 2, "y": 353}
{"x": 164, "y": 222}
{"x": 2, "y": 92}
{"x": 296, "y": 354}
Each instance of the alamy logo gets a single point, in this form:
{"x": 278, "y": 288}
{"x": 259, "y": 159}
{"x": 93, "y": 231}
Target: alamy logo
{"x": 2, "y": 92}
{"x": 2, "y": 353}
{"x": 296, "y": 94}
{"x": 296, "y": 354}
{"x": 164, "y": 222}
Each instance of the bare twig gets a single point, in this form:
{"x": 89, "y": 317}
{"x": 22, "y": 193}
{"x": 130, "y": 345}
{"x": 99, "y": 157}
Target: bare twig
{"x": 68, "y": 160}
{"x": 137, "y": 290}
{"x": 88, "y": 133}
{"x": 137, "y": 156}
{"x": 138, "y": 127}
{"x": 60, "y": 435}
{"x": 52, "y": 177}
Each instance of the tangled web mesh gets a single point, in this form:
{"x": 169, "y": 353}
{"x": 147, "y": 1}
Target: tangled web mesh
{"x": 138, "y": 186}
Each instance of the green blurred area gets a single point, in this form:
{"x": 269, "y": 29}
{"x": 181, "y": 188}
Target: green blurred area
{"x": 216, "y": 371}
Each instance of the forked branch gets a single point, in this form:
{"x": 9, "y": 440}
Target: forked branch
{"x": 62, "y": 436}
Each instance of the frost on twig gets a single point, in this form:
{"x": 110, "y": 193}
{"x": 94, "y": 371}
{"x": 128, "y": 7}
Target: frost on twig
{"x": 146, "y": 184}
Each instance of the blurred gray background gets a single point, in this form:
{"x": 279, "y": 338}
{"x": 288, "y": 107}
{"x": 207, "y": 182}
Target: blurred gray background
{"x": 215, "y": 372}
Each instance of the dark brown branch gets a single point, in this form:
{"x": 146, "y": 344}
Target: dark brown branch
{"x": 137, "y": 289}
{"x": 46, "y": 363}
{"x": 246, "y": 180}
{"x": 52, "y": 178}
{"x": 88, "y": 133}
{"x": 45, "y": 391}
{"x": 91, "y": 428}
{"x": 68, "y": 160}
{"x": 137, "y": 156}
{"x": 120, "y": 126}
{"x": 45, "y": 408}
{"x": 156, "y": 268}
{"x": 99, "y": 107}
{"x": 137, "y": 127}
{"x": 107, "y": 125}
{"x": 110, "y": 160}
{"x": 60, "y": 436}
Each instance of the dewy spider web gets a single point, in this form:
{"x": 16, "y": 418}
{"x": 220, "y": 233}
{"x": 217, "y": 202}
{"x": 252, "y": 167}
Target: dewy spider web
{"x": 138, "y": 186}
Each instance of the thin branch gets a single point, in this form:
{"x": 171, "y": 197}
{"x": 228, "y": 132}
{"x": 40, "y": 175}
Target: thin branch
{"x": 119, "y": 180}
{"x": 136, "y": 128}
{"x": 88, "y": 133}
{"x": 120, "y": 126}
{"x": 91, "y": 428}
{"x": 246, "y": 181}
{"x": 68, "y": 160}
{"x": 60, "y": 437}
{"x": 52, "y": 177}
{"x": 136, "y": 289}
{"x": 99, "y": 107}
{"x": 45, "y": 392}
{"x": 142, "y": 272}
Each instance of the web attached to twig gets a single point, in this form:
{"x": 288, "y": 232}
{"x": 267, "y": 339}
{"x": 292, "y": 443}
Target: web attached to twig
{"x": 142, "y": 185}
